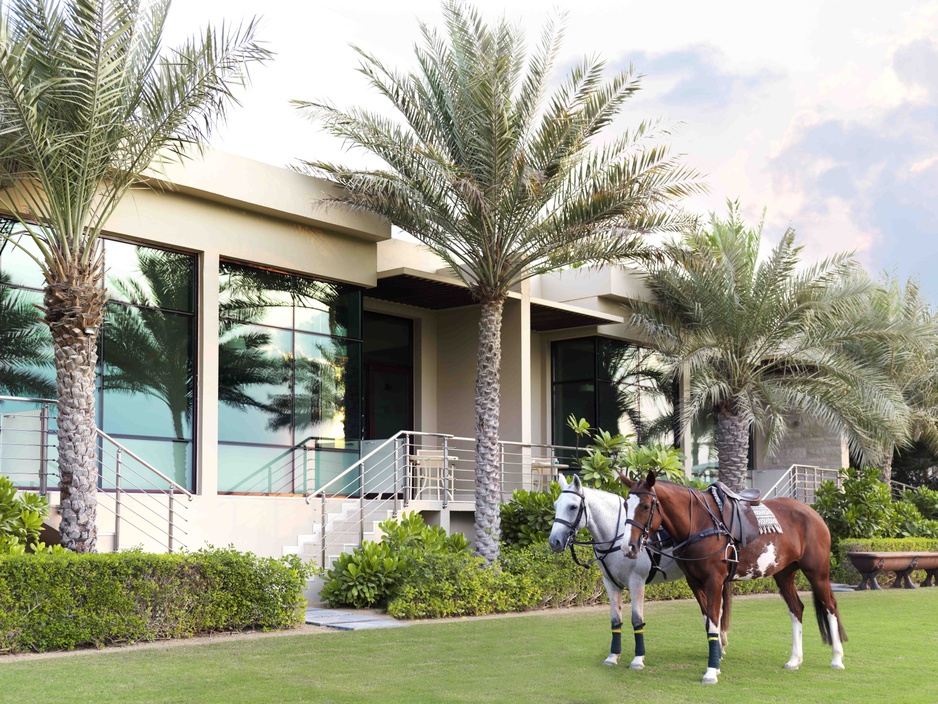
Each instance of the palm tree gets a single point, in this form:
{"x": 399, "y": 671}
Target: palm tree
{"x": 501, "y": 183}
{"x": 25, "y": 344}
{"x": 87, "y": 102}
{"x": 762, "y": 339}
{"x": 910, "y": 361}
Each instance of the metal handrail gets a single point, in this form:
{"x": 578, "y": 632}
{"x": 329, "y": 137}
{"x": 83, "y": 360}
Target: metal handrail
{"x": 175, "y": 487}
{"x": 154, "y": 506}
{"x": 359, "y": 464}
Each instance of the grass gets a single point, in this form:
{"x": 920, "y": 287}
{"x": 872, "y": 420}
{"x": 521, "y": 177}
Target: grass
{"x": 892, "y": 655}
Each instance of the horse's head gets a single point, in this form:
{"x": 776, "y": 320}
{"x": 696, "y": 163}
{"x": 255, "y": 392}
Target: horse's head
{"x": 641, "y": 513}
{"x": 569, "y": 514}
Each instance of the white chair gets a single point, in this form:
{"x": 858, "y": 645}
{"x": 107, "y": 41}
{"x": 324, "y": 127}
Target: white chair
{"x": 543, "y": 471}
{"x": 426, "y": 469}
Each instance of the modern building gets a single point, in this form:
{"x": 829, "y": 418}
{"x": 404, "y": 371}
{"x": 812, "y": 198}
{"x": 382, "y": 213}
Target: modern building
{"x": 259, "y": 344}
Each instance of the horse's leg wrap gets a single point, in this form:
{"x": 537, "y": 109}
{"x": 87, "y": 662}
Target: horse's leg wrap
{"x": 640, "y": 639}
{"x": 713, "y": 640}
{"x": 616, "y": 647}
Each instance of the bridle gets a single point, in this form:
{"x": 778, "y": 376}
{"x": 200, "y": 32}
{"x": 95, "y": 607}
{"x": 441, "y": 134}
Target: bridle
{"x": 719, "y": 528}
{"x": 645, "y": 527}
{"x": 600, "y": 553}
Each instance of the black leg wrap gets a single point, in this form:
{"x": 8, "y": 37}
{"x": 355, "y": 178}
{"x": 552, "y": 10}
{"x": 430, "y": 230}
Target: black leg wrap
{"x": 640, "y": 639}
{"x": 616, "y": 647}
{"x": 713, "y": 639}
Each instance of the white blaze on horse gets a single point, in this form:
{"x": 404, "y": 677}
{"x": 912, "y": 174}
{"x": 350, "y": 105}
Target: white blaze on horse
{"x": 603, "y": 514}
{"x": 719, "y": 539}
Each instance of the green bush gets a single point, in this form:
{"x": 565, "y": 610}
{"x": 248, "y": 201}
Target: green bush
{"x": 845, "y": 572}
{"x": 65, "y": 601}
{"x": 443, "y": 585}
{"x": 529, "y": 516}
{"x": 924, "y": 499}
{"x": 863, "y": 508}
{"x": 21, "y": 520}
{"x": 559, "y": 580}
{"x": 371, "y": 574}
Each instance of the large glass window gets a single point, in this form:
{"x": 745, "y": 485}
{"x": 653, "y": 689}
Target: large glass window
{"x": 289, "y": 365}
{"x": 615, "y": 386}
{"x": 145, "y": 380}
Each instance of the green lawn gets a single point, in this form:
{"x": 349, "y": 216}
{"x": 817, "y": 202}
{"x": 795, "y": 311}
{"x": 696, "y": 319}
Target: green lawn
{"x": 892, "y": 655}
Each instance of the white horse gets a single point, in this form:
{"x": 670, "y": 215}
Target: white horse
{"x": 603, "y": 514}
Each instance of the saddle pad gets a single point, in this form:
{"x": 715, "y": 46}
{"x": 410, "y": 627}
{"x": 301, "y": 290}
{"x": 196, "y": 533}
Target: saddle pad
{"x": 767, "y": 521}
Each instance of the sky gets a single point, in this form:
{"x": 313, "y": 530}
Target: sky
{"x": 822, "y": 113}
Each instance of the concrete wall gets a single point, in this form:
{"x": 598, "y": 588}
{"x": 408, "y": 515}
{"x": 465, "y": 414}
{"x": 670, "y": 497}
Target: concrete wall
{"x": 806, "y": 442}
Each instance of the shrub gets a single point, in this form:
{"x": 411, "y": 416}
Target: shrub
{"x": 924, "y": 499}
{"x": 559, "y": 580}
{"x": 64, "y": 601}
{"x": 442, "y": 585}
{"x": 863, "y": 508}
{"x": 529, "y": 516}
{"x": 21, "y": 520}
{"x": 371, "y": 574}
{"x": 608, "y": 454}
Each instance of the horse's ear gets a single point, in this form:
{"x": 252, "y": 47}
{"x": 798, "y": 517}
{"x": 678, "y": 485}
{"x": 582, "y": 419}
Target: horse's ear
{"x": 562, "y": 480}
{"x": 624, "y": 478}
{"x": 650, "y": 479}
{"x": 576, "y": 482}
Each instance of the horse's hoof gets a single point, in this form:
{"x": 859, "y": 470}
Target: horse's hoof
{"x": 791, "y": 666}
{"x": 611, "y": 661}
{"x": 708, "y": 680}
{"x": 837, "y": 666}
{"x": 637, "y": 665}
{"x": 710, "y": 676}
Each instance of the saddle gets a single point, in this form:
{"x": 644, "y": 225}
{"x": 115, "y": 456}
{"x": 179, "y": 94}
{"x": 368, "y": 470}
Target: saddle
{"x": 737, "y": 514}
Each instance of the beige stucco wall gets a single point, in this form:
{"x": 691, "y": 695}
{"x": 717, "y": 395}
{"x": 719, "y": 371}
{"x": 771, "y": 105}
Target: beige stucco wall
{"x": 806, "y": 442}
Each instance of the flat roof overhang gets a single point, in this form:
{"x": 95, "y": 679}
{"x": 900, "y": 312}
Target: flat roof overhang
{"x": 439, "y": 292}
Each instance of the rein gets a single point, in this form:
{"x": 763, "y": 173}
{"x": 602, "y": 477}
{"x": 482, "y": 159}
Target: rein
{"x": 719, "y": 528}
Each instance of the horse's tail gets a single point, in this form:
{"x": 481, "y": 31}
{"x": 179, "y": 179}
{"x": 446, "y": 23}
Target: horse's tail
{"x": 727, "y": 606}
{"x": 822, "y": 621}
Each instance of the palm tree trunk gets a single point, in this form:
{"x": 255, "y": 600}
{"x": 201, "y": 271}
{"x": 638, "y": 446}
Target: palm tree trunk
{"x": 732, "y": 448}
{"x": 886, "y": 469}
{"x": 488, "y": 467}
{"x": 75, "y": 312}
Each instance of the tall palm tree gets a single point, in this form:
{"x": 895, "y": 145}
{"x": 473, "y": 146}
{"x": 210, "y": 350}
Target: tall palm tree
{"x": 764, "y": 338}
{"x": 500, "y": 180}
{"x": 910, "y": 360}
{"x": 87, "y": 101}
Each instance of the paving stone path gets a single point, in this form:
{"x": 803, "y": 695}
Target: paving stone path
{"x": 350, "y": 620}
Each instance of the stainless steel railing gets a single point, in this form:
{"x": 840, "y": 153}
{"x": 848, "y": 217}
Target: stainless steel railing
{"x": 144, "y": 502}
{"x": 801, "y": 482}
{"x": 422, "y": 470}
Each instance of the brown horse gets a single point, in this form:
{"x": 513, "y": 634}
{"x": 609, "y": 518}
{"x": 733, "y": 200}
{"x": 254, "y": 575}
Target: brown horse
{"x": 710, "y": 558}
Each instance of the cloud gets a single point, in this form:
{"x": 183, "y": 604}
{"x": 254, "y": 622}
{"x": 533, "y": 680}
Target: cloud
{"x": 697, "y": 79}
{"x": 872, "y": 180}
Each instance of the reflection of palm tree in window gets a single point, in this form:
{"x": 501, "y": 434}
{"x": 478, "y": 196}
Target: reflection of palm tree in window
{"x": 254, "y": 296}
{"x": 26, "y": 367}
{"x": 319, "y": 400}
{"x": 642, "y": 390}
{"x": 146, "y": 350}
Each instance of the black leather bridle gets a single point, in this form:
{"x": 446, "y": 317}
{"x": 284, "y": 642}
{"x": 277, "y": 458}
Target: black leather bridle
{"x": 600, "y": 553}
{"x": 646, "y": 526}
{"x": 719, "y": 528}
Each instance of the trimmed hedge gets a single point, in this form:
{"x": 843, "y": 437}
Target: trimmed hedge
{"x": 61, "y": 602}
{"x": 845, "y": 572}
{"x": 525, "y": 577}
